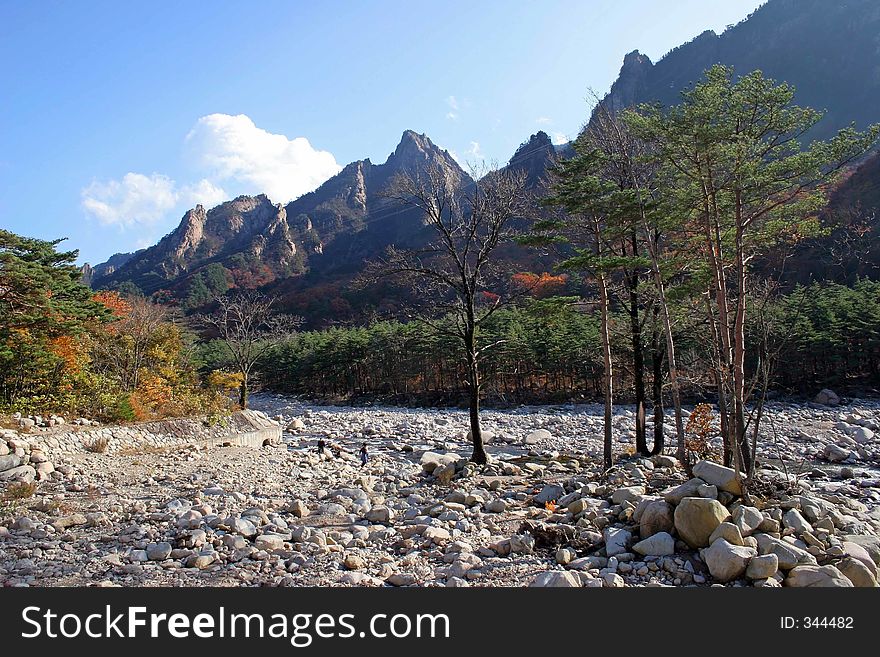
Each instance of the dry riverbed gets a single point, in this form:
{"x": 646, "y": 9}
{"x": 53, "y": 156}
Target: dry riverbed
{"x": 542, "y": 513}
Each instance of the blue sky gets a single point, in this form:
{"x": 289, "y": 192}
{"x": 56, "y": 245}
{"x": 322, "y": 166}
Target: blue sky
{"x": 118, "y": 116}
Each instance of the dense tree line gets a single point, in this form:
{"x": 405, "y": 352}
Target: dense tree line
{"x": 824, "y": 334}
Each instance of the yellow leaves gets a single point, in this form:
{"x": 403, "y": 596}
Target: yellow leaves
{"x": 225, "y": 381}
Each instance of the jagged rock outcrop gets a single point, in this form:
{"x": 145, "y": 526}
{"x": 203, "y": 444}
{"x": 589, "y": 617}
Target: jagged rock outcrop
{"x": 346, "y": 220}
{"x": 93, "y": 275}
{"x": 535, "y": 157}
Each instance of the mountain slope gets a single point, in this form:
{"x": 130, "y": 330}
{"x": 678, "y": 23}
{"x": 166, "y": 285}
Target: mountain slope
{"x": 251, "y": 242}
{"x": 829, "y": 51}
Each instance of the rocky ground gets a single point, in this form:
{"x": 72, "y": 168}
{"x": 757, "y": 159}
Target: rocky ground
{"x": 543, "y": 513}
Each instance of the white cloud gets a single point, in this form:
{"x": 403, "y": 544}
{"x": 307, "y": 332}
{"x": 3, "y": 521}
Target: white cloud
{"x": 474, "y": 150}
{"x": 136, "y": 199}
{"x": 452, "y": 116}
{"x": 234, "y": 149}
{"x": 559, "y": 138}
{"x": 203, "y": 193}
{"x": 230, "y": 149}
{"x": 452, "y": 101}
{"x": 143, "y": 201}
{"x": 543, "y": 120}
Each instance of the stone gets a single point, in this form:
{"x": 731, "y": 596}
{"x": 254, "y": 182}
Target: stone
{"x": 729, "y": 532}
{"x": 656, "y": 517}
{"x": 858, "y": 552}
{"x": 871, "y": 544}
{"x": 627, "y": 494}
{"x": 718, "y": 475}
{"x": 747, "y": 519}
{"x": 355, "y": 578}
{"x": 522, "y": 544}
{"x": 445, "y": 473}
{"x": 242, "y": 527}
{"x": 269, "y": 542}
{"x": 565, "y": 556}
{"x": 696, "y": 518}
{"x": 298, "y": 508}
{"x": 656, "y": 545}
{"x": 616, "y": 541}
{"x": 496, "y": 506}
{"x": 578, "y": 506}
{"x": 834, "y": 453}
{"x": 857, "y": 573}
{"x": 38, "y": 456}
{"x": 689, "y": 488}
{"x": 789, "y": 555}
{"x": 796, "y": 521}
{"x": 296, "y": 425}
{"x": 200, "y": 561}
{"x": 726, "y": 561}
{"x": 402, "y": 579}
{"x": 23, "y": 524}
{"x": 549, "y": 493}
{"x": 354, "y": 561}
{"x": 436, "y": 534}
{"x": 430, "y": 461}
{"x": 556, "y": 579}
{"x": 380, "y": 514}
{"x": 487, "y": 436}
{"x": 24, "y": 473}
{"x": 816, "y": 577}
{"x": 537, "y": 436}
{"x": 613, "y": 580}
{"x": 158, "y": 551}
{"x": 190, "y": 520}
{"x": 862, "y": 435}
{"x": 762, "y": 567}
{"x": 827, "y": 397}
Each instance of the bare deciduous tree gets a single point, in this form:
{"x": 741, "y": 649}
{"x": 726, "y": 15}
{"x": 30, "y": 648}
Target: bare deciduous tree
{"x": 249, "y": 326}
{"x": 127, "y": 353}
{"x": 456, "y": 272}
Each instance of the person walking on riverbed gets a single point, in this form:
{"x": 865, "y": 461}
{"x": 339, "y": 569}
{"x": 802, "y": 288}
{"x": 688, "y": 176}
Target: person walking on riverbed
{"x": 363, "y": 454}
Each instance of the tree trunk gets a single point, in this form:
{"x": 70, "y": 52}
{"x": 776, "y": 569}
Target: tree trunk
{"x": 606, "y": 351}
{"x": 243, "y": 392}
{"x": 479, "y": 453}
{"x": 659, "y": 438}
{"x": 638, "y": 367}
{"x": 739, "y": 351}
{"x": 680, "y": 453}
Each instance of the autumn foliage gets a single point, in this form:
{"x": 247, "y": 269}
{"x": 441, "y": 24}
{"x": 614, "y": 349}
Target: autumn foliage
{"x": 540, "y": 286}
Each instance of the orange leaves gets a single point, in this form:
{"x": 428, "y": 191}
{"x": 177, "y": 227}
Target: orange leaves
{"x": 119, "y": 307}
{"x": 71, "y": 351}
{"x": 540, "y": 286}
{"x": 701, "y": 429}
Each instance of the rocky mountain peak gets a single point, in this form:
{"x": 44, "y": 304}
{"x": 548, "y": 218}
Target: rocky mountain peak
{"x": 534, "y": 156}
{"x": 630, "y": 83}
{"x": 416, "y": 151}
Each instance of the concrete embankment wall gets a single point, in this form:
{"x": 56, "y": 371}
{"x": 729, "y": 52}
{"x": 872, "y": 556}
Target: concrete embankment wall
{"x": 243, "y": 428}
